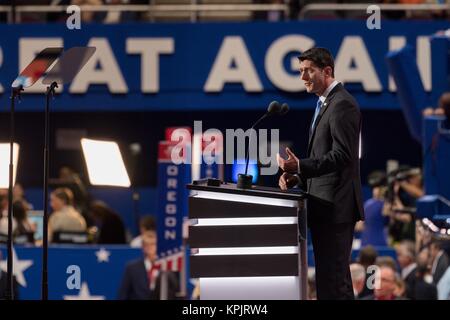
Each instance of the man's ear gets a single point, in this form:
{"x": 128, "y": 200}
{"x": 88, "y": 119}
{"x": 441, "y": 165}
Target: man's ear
{"x": 328, "y": 71}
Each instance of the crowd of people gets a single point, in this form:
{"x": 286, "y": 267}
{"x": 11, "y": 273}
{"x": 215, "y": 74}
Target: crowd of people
{"x": 418, "y": 266}
{"x": 294, "y": 8}
{"x": 72, "y": 213}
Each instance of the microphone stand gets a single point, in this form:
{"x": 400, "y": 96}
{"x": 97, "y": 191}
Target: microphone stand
{"x": 50, "y": 92}
{"x": 15, "y": 93}
{"x": 245, "y": 180}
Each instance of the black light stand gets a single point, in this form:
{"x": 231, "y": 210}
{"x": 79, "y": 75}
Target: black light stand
{"x": 15, "y": 93}
{"x": 49, "y": 94}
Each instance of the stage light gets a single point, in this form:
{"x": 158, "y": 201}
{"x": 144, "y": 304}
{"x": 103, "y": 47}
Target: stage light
{"x": 4, "y": 164}
{"x": 104, "y": 163}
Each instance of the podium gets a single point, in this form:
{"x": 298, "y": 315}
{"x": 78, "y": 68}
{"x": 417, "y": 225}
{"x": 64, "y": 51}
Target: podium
{"x": 248, "y": 244}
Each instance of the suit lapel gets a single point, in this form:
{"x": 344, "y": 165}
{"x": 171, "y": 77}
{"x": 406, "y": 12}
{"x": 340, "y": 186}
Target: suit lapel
{"x": 324, "y": 108}
{"x": 143, "y": 275}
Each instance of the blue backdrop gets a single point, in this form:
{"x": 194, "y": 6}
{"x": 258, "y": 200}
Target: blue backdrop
{"x": 210, "y": 66}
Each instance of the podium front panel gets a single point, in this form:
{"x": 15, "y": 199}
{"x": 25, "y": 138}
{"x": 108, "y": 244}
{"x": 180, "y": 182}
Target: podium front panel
{"x": 248, "y": 240}
{"x": 243, "y": 235}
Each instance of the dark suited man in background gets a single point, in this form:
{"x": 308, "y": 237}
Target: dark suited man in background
{"x": 142, "y": 278}
{"x": 329, "y": 172}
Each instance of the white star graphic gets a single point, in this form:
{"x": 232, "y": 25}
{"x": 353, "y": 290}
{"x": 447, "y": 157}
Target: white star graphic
{"x": 102, "y": 255}
{"x": 19, "y": 266}
{"x": 84, "y": 294}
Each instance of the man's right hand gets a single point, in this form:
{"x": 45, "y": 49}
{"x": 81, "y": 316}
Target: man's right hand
{"x": 288, "y": 180}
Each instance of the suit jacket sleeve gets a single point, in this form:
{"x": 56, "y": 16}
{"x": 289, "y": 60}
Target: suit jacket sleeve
{"x": 125, "y": 286}
{"x": 344, "y": 126}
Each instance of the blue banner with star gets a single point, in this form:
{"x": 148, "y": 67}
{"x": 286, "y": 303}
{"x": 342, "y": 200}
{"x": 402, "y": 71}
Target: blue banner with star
{"x": 100, "y": 271}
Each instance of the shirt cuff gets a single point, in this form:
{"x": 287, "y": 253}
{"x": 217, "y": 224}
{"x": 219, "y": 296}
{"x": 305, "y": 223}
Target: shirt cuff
{"x": 298, "y": 166}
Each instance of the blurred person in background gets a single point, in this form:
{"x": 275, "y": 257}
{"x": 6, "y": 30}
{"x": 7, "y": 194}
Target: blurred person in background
{"x": 24, "y": 227}
{"x": 443, "y": 286}
{"x": 4, "y": 212}
{"x": 444, "y": 103}
{"x": 387, "y": 286}
{"x": 19, "y": 195}
{"x": 272, "y": 15}
{"x": 406, "y": 259}
{"x": 424, "y": 289}
{"x": 142, "y": 277}
{"x": 87, "y": 16}
{"x": 147, "y": 223}
{"x": 374, "y": 228}
{"x": 125, "y": 16}
{"x": 358, "y": 279}
{"x": 111, "y": 229}
{"x": 439, "y": 261}
{"x": 367, "y": 257}
{"x": 64, "y": 216}
{"x": 415, "y": 272}
{"x": 405, "y": 187}
{"x": 400, "y": 287}
{"x": 410, "y": 187}
{"x": 386, "y": 261}
{"x": 68, "y": 178}
{"x": 443, "y": 107}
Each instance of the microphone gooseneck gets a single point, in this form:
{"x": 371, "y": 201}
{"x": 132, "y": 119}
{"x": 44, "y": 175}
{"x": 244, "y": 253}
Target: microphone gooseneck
{"x": 245, "y": 180}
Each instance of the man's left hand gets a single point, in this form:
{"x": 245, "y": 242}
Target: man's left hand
{"x": 291, "y": 164}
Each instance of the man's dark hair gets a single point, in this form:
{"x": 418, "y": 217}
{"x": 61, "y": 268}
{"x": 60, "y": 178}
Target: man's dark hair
{"x": 437, "y": 243}
{"x": 320, "y": 56}
{"x": 377, "y": 179}
{"x": 367, "y": 256}
{"x": 148, "y": 223}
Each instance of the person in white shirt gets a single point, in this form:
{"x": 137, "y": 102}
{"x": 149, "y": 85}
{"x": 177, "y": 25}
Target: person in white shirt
{"x": 64, "y": 217}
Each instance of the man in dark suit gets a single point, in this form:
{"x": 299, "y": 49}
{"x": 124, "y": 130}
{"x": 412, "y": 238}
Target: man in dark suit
{"x": 439, "y": 261}
{"x": 143, "y": 277}
{"x": 406, "y": 256}
{"x": 330, "y": 173}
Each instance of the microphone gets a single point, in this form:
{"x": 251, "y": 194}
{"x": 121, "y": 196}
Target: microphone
{"x": 284, "y": 109}
{"x": 274, "y": 109}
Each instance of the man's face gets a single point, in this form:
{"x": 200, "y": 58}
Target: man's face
{"x": 149, "y": 245}
{"x": 56, "y": 203}
{"x": 387, "y": 283}
{"x": 434, "y": 250}
{"x": 313, "y": 77}
{"x": 404, "y": 259}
